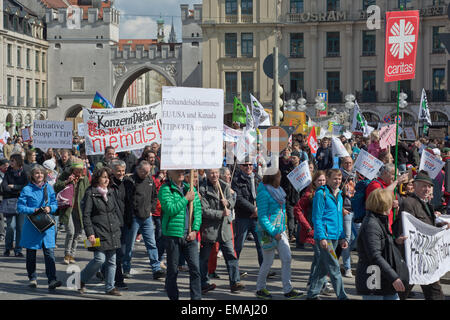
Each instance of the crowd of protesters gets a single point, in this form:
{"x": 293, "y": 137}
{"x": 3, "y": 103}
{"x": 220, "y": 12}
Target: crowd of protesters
{"x": 116, "y": 199}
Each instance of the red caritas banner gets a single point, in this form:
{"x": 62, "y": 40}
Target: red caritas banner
{"x": 402, "y": 34}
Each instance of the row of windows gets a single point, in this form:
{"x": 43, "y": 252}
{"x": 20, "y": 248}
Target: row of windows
{"x": 231, "y": 7}
{"x": 28, "y": 52}
{"x": 21, "y": 25}
{"x": 333, "y": 85}
{"x": 28, "y": 100}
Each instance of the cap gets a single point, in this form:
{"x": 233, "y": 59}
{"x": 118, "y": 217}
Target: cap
{"x": 49, "y": 164}
{"x": 423, "y": 176}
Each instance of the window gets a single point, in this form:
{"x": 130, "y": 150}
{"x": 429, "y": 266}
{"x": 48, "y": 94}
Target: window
{"x": 28, "y": 93}
{"x": 18, "y": 92}
{"x": 77, "y": 84}
{"x": 19, "y": 57}
{"x": 36, "y": 62}
{"x": 36, "y": 94}
{"x": 247, "y": 44}
{"x": 333, "y": 87}
{"x": 231, "y": 7}
{"x": 333, "y": 44}
{"x": 297, "y": 82}
{"x": 247, "y": 86}
{"x": 405, "y": 3}
{"x": 333, "y": 5}
{"x": 369, "y": 86}
{"x": 296, "y": 49}
{"x": 439, "y": 86}
{"x": 43, "y": 62}
{"x": 231, "y": 44}
{"x": 44, "y": 102}
{"x": 5, "y": 21}
{"x": 9, "y": 91}
{"x": 9, "y": 54}
{"x": 230, "y": 86}
{"x": 438, "y": 46}
{"x": 368, "y": 3}
{"x": 28, "y": 59}
{"x": 247, "y": 7}
{"x": 369, "y": 43}
{"x": 296, "y": 6}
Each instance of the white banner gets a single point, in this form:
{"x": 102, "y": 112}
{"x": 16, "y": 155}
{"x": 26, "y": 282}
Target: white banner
{"x": 231, "y": 135}
{"x": 338, "y": 148}
{"x": 52, "y": 134}
{"x": 192, "y": 128}
{"x": 125, "y": 129}
{"x": 81, "y": 129}
{"x": 300, "y": 177}
{"x": 431, "y": 164}
{"x": 338, "y": 130}
{"x": 427, "y": 250}
{"x": 367, "y": 165}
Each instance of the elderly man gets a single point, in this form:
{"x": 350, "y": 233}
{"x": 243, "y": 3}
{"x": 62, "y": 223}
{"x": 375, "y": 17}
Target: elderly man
{"x": 418, "y": 205}
{"x": 217, "y": 204}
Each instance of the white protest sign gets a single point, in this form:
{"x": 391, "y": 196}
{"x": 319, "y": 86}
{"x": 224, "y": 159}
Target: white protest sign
{"x": 367, "y": 165}
{"x": 231, "y": 135}
{"x": 125, "y": 129}
{"x": 426, "y": 250}
{"x": 25, "y": 133}
{"x": 52, "y": 134}
{"x": 300, "y": 177}
{"x": 192, "y": 128}
{"x": 246, "y": 146}
{"x": 81, "y": 129}
{"x": 337, "y": 130}
{"x": 387, "y": 136}
{"x": 431, "y": 164}
{"x": 338, "y": 148}
{"x": 410, "y": 133}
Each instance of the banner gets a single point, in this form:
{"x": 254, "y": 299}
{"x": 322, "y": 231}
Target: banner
{"x": 125, "y": 129}
{"x": 246, "y": 146}
{"x": 239, "y": 111}
{"x": 367, "y": 165}
{"x": 427, "y": 250}
{"x": 192, "y": 128}
{"x": 431, "y": 164}
{"x": 81, "y": 130}
{"x": 300, "y": 177}
{"x": 4, "y": 137}
{"x": 52, "y": 134}
{"x": 231, "y": 135}
{"x": 338, "y": 148}
{"x": 338, "y": 129}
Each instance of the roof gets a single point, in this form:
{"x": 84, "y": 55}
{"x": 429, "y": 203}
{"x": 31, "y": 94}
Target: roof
{"x": 135, "y": 42}
{"x": 54, "y": 4}
{"x": 57, "y": 4}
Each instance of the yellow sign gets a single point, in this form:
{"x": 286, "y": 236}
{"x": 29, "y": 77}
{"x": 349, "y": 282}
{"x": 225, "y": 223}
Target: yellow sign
{"x": 295, "y": 119}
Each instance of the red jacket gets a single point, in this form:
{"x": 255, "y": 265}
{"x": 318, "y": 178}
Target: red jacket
{"x": 158, "y": 185}
{"x": 301, "y": 211}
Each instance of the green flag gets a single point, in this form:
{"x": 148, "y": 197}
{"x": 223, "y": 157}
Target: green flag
{"x": 239, "y": 112}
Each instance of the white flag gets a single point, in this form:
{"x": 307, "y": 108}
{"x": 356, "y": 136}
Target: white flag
{"x": 260, "y": 116}
{"x": 359, "y": 123}
{"x": 250, "y": 125}
{"x": 424, "y": 111}
{"x": 338, "y": 148}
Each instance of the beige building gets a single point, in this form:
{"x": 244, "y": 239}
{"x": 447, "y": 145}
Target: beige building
{"x": 329, "y": 46}
{"x": 23, "y": 67}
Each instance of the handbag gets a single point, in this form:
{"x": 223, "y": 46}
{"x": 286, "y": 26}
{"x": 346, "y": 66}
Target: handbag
{"x": 40, "y": 219}
{"x": 65, "y": 197}
{"x": 9, "y": 206}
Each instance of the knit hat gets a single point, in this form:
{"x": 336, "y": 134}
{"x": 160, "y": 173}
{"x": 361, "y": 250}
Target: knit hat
{"x": 423, "y": 176}
{"x": 77, "y": 164}
{"x": 49, "y": 164}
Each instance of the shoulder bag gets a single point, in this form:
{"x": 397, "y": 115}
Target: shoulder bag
{"x": 40, "y": 219}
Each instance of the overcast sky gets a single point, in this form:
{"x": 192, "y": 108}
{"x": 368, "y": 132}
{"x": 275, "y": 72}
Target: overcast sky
{"x": 138, "y": 17}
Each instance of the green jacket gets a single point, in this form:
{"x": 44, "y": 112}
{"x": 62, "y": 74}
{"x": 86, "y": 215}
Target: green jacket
{"x": 173, "y": 210}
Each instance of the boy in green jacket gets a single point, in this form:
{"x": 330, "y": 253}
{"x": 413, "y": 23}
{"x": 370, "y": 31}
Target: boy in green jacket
{"x": 174, "y": 197}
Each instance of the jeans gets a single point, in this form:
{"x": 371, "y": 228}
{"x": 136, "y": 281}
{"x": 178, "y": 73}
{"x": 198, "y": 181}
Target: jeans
{"x": 284, "y": 252}
{"x": 243, "y": 226}
{"x": 56, "y": 218}
{"x": 2, "y": 225}
{"x": 174, "y": 246}
{"x": 326, "y": 264}
{"x": 290, "y": 220}
{"x": 148, "y": 234}
{"x": 73, "y": 233}
{"x": 229, "y": 255}
{"x": 348, "y": 235}
{"x": 108, "y": 258}
{"x": 387, "y": 297}
{"x": 14, "y": 225}
{"x": 49, "y": 259}
{"x": 158, "y": 236}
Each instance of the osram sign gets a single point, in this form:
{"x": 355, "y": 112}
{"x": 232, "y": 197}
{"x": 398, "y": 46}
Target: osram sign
{"x": 402, "y": 34}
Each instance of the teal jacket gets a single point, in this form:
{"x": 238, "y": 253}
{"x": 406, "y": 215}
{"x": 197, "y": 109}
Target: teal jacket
{"x": 269, "y": 212}
{"x": 173, "y": 210}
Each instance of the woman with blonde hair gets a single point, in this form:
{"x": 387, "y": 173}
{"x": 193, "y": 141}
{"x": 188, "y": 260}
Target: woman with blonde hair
{"x": 374, "y": 146}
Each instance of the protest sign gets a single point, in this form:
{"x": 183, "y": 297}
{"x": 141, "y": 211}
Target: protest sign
{"x": 246, "y": 146}
{"x": 387, "y": 136}
{"x": 80, "y": 129}
{"x": 410, "y": 133}
{"x": 338, "y": 129}
{"x": 125, "y": 129}
{"x": 426, "y": 250}
{"x": 431, "y": 164}
{"x": 338, "y": 148}
{"x": 436, "y": 133}
{"x": 192, "y": 128}
{"x": 52, "y": 134}
{"x": 367, "y": 165}
{"x": 300, "y": 177}
{"x": 231, "y": 135}
{"x": 25, "y": 133}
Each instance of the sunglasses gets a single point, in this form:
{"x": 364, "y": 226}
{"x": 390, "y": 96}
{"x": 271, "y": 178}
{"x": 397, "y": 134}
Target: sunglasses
{"x": 246, "y": 165}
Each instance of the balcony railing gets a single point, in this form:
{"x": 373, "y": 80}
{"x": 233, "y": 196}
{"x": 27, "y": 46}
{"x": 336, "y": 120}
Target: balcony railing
{"x": 335, "y": 96}
{"x": 247, "y": 18}
{"x": 438, "y": 96}
{"x": 29, "y": 102}
{"x": 21, "y": 102}
{"x": 11, "y": 101}
{"x": 369, "y": 96}
{"x": 231, "y": 18}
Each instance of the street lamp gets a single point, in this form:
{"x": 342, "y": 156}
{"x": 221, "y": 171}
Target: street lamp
{"x": 350, "y": 101}
{"x": 296, "y": 105}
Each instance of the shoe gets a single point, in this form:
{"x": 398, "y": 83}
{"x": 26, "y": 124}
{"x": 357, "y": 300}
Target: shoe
{"x": 209, "y": 287}
{"x": 99, "y": 276}
{"x": 327, "y": 290}
{"x": 67, "y": 259}
{"x": 315, "y": 298}
{"x": 237, "y": 287}
{"x": 243, "y": 275}
{"x": 271, "y": 274}
{"x": 292, "y": 239}
{"x": 82, "y": 289}
{"x": 18, "y": 254}
{"x": 293, "y": 294}
{"x": 264, "y": 294}
{"x": 121, "y": 285}
{"x": 54, "y": 284}
{"x": 126, "y": 275}
{"x": 2, "y": 237}
{"x": 348, "y": 273}
{"x": 163, "y": 265}
{"x": 32, "y": 284}
{"x": 214, "y": 275}
{"x": 183, "y": 268}
{"x": 411, "y": 295}
{"x": 114, "y": 292}
{"x": 72, "y": 260}
{"x": 139, "y": 238}
{"x": 159, "y": 274}
{"x": 6, "y": 253}
{"x": 250, "y": 237}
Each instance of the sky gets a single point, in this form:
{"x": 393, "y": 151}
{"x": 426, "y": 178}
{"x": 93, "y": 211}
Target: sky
{"x": 138, "y": 17}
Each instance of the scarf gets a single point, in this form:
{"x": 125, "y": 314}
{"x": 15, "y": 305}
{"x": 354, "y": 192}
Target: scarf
{"x": 40, "y": 185}
{"x": 277, "y": 193}
{"x": 103, "y": 192}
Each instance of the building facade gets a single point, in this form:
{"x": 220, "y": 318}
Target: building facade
{"x": 329, "y": 47}
{"x": 23, "y": 67}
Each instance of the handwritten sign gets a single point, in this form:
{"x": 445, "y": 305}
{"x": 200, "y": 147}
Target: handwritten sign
{"x": 367, "y": 165}
{"x": 26, "y": 137}
{"x": 300, "y": 177}
{"x": 431, "y": 164}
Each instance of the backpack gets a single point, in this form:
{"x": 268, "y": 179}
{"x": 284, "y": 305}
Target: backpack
{"x": 359, "y": 200}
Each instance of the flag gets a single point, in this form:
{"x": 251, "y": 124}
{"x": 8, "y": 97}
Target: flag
{"x": 338, "y": 148}
{"x": 312, "y": 141}
{"x": 101, "y": 102}
{"x": 260, "y": 116}
{"x": 239, "y": 111}
{"x": 359, "y": 123}
{"x": 424, "y": 111}
{"x": 249, "y": 123}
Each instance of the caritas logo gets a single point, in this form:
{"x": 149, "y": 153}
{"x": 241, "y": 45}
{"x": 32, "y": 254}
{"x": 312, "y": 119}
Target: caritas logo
{"x": 402, "y": 33}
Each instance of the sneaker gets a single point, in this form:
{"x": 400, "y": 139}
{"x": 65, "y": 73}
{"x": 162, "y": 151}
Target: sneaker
{"x": 348, "y": 273}
{"x": 114, "y": 292}
{"x": 2, "y": 237}
{"x": 293, "y": 294}
{"x": 72, "y": 260}
{"x": 313, "y": 298}
{"x": 244, "y": 275}
{"x": 121, "y": 285}
{"x": 263, "y": 294}
{"x": 139, "y": 238}
{"x": 32, "y": 284}
{"x": 67, "y": 259}
{"x": 6, "y": 253}
{"x": 126, "y": 275}
{"x": 214, "y": 275}
{"x": 159, "y": 274}
{"x": 327, "y": 290}
{"x": 292, "y": 239}
{"x": 54, "y": 284}
{"x": 82, "y": 289}
{"x": 250, "y": 237}
{"x": 237, "y": 287}
{"x": 18, "y": 254}
{"x": 271, "y": 274}
{"x": 209, "y": 287}
{"x": 163, "y": 265}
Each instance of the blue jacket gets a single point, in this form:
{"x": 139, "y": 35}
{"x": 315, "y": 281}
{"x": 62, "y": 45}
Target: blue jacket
{"x": 31, "y": 198}
{"x": 327, "y": 215}
{"x": 268, "y": 210}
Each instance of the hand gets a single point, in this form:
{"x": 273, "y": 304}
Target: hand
{"x": 255, "y": 213}
{"x": 323, "y": 244}
{"x": 395, "y": 204}
{"x": 191, "y": 236}
{"x": 400, "y": 240}
{"x": 190, "y": 196}
{"x": 226, "y": 212}
{"x": 403, "y": 178}
{"x": 398, "y": 285}
{"x": 70, "y": 179}
{"x": 437, "y": 213}
{"x": 11, "y": 186}
{"x": 225, "y": 203}
{"x": 91, "y": 239}
{"x": 47, "y": 209}
{"x": 343, "y": 243}
{"x": 345, "y": 212}
{"x": 278, "y": 237}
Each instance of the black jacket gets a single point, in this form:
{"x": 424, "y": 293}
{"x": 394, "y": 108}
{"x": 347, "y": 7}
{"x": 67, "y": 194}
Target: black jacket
{"x": 130, "y": 160}
{"x": 324, "y": 158}
{"x": 101, "y": 218}
{"x": 245, "y": 202}
{"x": 119, "y": 189}
{"x": 18, "y": 181}
{"x": 375, "y": 246}
{"x": 143, "y": 198}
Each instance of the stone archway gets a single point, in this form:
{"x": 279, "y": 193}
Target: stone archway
{"x": 74, "y": 112}
{"x": 9, "y": 123}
